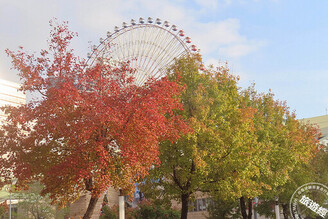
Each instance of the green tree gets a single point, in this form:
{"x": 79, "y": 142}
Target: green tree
{"x": 300, "y": 175}
{"x": 107, "y": 213}
{"x": 216, "y": 157}
{"x": 3, "y": 208}
{"x": 287, "y": 145}
{"x": 319, "y": 164}
{"x": 32, "y": 205}
{"x": 150, "y": 210}
{"x": 219, "y": 208}
{"x": 244, "y": 143}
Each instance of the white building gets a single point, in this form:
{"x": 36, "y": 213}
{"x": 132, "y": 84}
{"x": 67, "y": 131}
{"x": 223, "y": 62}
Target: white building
{"x": 9, "y": 95}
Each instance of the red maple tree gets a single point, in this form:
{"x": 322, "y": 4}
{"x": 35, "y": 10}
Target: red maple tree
{"x": 91, "y": 128}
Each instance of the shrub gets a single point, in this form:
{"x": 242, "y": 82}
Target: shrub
{"x": 108, "y": 213}
{"x": 145, "y": 210}
{"x": 148, "y": 210}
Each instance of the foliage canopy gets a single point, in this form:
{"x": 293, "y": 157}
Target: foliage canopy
{"x": 92, "y": 127}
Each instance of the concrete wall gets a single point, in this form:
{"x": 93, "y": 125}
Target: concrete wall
{"x": 78, "y": 208}
{"x": 112, "y": 196}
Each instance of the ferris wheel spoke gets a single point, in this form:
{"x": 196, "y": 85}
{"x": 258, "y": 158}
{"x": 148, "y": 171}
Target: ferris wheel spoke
{"x": 156, "y": 50}
{"x": 161, "y": 56}
{"x": 148, "y": 46}
{"x": 166, "y": 52}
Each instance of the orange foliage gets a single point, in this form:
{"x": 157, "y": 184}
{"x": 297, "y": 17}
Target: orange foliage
{"x": 92, "y": 127}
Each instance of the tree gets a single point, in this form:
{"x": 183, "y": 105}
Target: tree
{"x": 300, "y": 175}
{"x": 32, "y": 205}
{"x": 287, "y": 145}
{"x": 242, "y": 145}
{"x": 92, "y": 127}
{"x": 3, "y": 208}
{"x": 319, "y": 164}
{"x": 150, "y": 210}
{"x": 217, "y": 156}
{"x": 224, "y": 209}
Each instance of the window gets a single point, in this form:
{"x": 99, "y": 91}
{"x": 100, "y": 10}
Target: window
{"x": 198, "y": 205}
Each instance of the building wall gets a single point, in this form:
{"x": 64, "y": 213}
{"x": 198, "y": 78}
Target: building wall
{"x": 9, "y": 95}
{"x": 78, "y": 208}
{"x": 195, "y": 212}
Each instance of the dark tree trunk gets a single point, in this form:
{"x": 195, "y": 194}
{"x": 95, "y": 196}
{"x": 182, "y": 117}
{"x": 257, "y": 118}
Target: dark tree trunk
{"x": 93, "y": 200}
{"x": 91, "y": 207}
{"x": 250, "y": 208}
{"x": 285, "y": 210}
{"x": 184, "y": 207}
{"x": 243, "y": 207}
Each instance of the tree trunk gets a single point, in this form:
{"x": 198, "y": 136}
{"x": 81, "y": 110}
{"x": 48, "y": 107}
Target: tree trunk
{"x": 91, "y": 207}
{"x": 243, "y": 207}
{"x": 285, "y": 210}
{"x": 250, "y": 208}
{"x": 184, "y": 207}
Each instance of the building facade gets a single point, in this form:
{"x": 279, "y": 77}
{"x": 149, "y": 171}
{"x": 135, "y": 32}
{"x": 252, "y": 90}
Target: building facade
{"x": 9, "y": 95}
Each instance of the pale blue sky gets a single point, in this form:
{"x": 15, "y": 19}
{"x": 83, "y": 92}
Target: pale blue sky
{"x": 278, "y": 44}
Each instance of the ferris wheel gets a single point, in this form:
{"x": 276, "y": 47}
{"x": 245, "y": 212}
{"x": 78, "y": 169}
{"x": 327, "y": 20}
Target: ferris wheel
{"x": 149, "y": 46}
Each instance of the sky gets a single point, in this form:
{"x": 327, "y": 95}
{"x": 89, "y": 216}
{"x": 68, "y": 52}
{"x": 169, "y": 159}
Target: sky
{"x": 277, "y": 44}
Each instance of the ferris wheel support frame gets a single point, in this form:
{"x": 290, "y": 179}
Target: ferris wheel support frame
{"x": 149, "y": 46}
